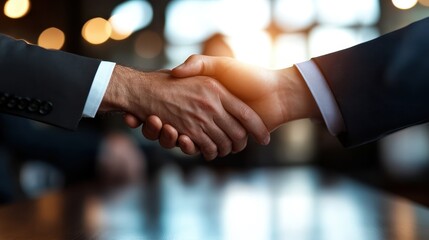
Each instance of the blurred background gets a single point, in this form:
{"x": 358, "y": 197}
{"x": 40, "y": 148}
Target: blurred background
{"x": 155, "y": 34}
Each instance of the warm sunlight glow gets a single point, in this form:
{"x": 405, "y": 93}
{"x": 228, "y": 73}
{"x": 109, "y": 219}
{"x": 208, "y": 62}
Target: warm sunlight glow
{"x": 16, "y": 8}
{"x": 51, "y": 38}
{"x": 242, "y": 16}
{"x": 96, "y": 30}
{"x": 404, "y": 4}
{"x": 290, "y": 49}
{"x": 129, "y": 17}
{"x": 243, "y": 47}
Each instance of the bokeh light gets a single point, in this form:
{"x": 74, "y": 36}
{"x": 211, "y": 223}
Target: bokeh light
{"x": 118, "y": 35}
{"x": 129, "y": 17}
{"x": 96, "y": 30}
{"x": 294, "y": 15}
{"x": 348, "y": 12}
{"x": 321, "y": 41}
{"x": 242, "y": 16}
{"x": 16, "y": 8}
{"x": 51, "y": 38}
{"x": 190, "y": 22}
{"x": 148, "y": 44}
{"x": 404, "y": 4}
{"x": 405, "y": 153}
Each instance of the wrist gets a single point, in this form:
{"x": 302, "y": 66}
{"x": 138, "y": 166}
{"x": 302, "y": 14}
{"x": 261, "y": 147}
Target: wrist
{"x": 298, "y": 102}
{"x": 119, "y": 91}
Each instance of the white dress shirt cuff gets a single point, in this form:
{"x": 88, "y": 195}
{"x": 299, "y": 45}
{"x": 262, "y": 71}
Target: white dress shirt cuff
{"x": 323, "y": 96}
{"x": 98, "y": 88}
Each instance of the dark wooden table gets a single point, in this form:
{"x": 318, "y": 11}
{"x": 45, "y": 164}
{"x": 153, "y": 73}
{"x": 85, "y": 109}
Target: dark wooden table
{"x": 287, "y": 203}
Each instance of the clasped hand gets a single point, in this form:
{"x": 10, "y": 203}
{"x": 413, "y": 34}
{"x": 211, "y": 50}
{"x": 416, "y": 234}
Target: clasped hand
{"x": 199, "y": 113}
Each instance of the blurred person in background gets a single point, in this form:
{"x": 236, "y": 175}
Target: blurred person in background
{"x": 37, "y": 157}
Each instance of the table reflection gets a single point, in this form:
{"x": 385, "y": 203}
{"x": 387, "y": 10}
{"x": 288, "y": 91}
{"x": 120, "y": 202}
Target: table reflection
{"x": 293, "y": 203}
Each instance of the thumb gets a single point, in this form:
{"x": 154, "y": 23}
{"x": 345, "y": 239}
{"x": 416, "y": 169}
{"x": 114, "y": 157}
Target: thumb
{"x": 196, "y": 65}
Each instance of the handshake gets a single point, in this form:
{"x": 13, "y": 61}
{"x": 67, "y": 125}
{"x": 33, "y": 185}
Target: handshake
{"x": 209, "y": 104}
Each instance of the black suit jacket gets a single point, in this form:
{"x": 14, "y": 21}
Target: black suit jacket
{"x": 382, "y": 85}
{"x": 44, "y": 85}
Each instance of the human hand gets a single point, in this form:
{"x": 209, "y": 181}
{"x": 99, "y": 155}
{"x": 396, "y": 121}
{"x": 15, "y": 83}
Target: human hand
{"x": 278, "y": 96}
{"x": 198, "y": 107}
{"x": 256, "y": 86}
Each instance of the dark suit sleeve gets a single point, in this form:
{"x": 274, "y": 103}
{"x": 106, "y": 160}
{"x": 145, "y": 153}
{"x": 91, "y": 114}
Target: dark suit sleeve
{"x": 44, "y": 85}
{"x": 382, "y": 85}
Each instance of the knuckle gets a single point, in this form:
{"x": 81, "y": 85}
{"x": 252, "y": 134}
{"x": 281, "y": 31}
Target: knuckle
{"x": 207, "y": 107}
{"x": 211, "y": 84}
{"x": 246, "y": 114}
{"x": 210, "y": 150}
{"x": 239, "y": 134}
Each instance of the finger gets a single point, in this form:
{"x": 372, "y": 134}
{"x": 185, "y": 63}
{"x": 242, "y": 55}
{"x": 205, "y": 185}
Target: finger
{"x": 168, "y": 137}
{"x": 218, "y": 136}
{"x": 152, "y": 128}
{"x": 200, "y": 65}
{"x": 248, "y": 118}
{"x": 207, "y": 147}
{"x": 234, "y": 130}
{"x": 131, "y": 120}
{"x": 187, "y": 145}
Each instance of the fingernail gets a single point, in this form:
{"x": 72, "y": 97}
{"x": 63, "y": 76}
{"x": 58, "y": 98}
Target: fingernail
{"x": 267, "y": 140}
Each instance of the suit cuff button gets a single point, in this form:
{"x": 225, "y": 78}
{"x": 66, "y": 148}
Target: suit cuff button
{"x": 23, "y": 103}
{"x": 3, "y": 98}
{"x": 45, "y": 108}
{"x": 11, "y": 103}
{"x": 34, "y": 105}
